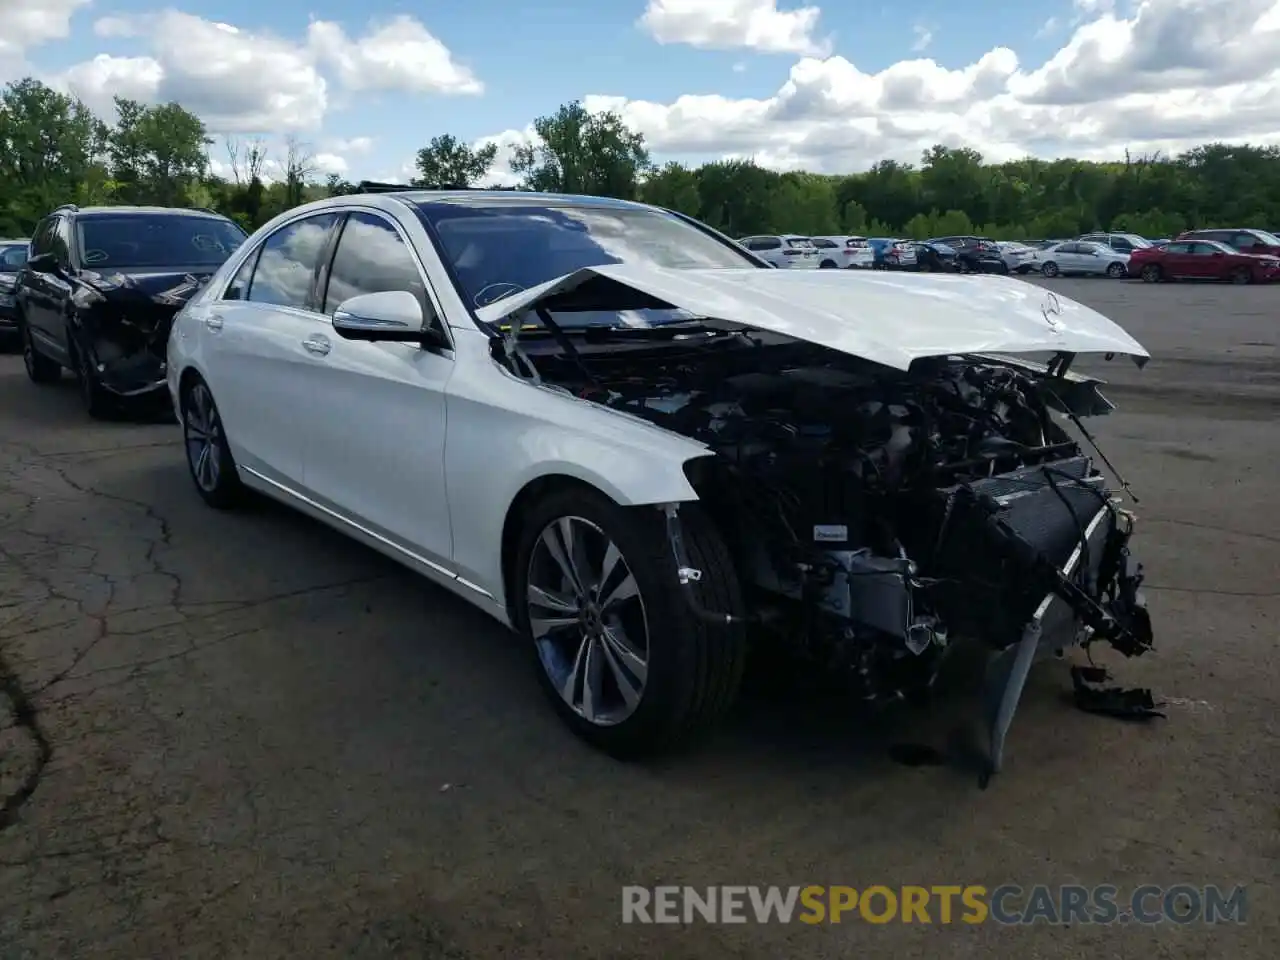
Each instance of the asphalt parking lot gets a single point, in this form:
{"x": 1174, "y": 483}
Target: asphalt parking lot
{"x": 251, "y": 738}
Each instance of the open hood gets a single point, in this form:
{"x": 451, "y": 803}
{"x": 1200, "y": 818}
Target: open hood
{"x": 888, "y": 318}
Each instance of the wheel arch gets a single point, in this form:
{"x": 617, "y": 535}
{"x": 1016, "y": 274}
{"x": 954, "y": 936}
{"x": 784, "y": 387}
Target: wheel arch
{"x": 567, "y": 477}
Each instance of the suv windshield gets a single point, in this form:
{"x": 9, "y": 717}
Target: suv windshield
{"x": 498, "y": 249}
{"x": 1270, "y": 239}
{"x": 13, "y": 256}
{"x": 160, "y": 240}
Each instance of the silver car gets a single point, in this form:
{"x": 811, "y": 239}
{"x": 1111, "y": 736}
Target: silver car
{"x": 1080, "y": 256}
{"x": 1019, "y": 257}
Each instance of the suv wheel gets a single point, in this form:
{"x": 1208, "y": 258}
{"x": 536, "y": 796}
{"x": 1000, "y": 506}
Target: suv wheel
{"x": 39, "y": 367}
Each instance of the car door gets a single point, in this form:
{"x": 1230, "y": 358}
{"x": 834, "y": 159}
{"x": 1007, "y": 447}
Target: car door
{"x": 1178, "y": 261}
{"x": 1093, "y": 257}
{"x": 1207, "y": 261}
{"x": 375, "y": 438}
{"x": 259, "y": 341}
{"x": 43, "y": 293}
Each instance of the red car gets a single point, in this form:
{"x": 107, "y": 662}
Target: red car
{"x": 1241, "y": 239}
{"x": 1202, "y": 260}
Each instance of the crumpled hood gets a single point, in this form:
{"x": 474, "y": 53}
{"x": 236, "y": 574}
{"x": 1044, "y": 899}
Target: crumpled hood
{"x": 888, "y": 318}
{"x": 161, "y": 286}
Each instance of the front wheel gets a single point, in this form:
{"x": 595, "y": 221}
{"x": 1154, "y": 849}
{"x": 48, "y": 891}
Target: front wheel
{"x": 97, "y": 402}
{"x": 1116, "y": 271}
{"x": 213, "y": 469}
{"x": 1151, "y": 273}
{"x": 1241, "y": 275}
{"x": 827, "y": 265}
{"x": 616, "y": 645}
{"x": 1049, "y": 269}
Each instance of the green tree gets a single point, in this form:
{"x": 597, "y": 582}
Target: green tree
{"x": 51, "y": 150}
{"x": 448, "y": 162}
{"x": 156, "y": 152}
{"x": 582, "y": 152}
{"x": 674, "y": 187}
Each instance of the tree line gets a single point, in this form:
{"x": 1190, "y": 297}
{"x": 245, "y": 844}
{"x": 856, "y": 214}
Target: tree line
{"x": 55, "y": 150}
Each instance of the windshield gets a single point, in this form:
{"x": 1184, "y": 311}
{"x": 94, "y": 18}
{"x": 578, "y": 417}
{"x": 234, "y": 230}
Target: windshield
{"x": 499, "y": 249}
{"x": 1270, "y": 239}
{"x": 13, "y": 256}
{"x": 161, "y": 240}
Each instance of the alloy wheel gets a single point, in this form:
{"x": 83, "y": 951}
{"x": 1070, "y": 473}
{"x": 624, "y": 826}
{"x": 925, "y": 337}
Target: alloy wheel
{"x": 202, "y": 433}
{"x": 588, "y": 620}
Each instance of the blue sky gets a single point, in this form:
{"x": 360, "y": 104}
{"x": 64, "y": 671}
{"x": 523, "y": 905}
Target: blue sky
{"x": 531, "y": 58}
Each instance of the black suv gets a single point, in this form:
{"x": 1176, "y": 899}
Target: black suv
{"x": 100, "y": 289}
{"x": 976, "y": 254}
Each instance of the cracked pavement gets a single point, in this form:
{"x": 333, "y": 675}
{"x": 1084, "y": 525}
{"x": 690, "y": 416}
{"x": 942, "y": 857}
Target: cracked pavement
{"x": 245, "y": 736}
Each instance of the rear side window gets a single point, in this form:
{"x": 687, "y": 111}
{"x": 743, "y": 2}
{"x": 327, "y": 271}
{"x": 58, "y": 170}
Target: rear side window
{"x": 800, "y": 243}
{"x": 824, "y": 244}
{"x": 1177, "y": 248}
{"x": 371, "y": 257}
{"x": 287, "y": 264}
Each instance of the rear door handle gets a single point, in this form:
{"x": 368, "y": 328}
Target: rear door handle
{"x": 318, "y": 345}
{"x": 213, "y": 322}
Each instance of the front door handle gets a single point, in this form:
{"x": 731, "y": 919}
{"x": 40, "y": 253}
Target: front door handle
{"x": 318, "y": 345}
{"x": 213, "y": 322}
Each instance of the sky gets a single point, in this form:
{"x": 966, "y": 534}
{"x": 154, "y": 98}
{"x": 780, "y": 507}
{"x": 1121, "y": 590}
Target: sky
{"x": 831, "y": 86}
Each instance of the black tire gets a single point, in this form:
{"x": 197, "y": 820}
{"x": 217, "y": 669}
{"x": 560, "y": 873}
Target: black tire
{"x": 40, "y": 369}
{"x": 1049, "y": 269}
{"x": 216, "y": 479}
{"x": 1152, "y": 273}
{"x": 1116, "y": 271}
{"x": 1241, "y": 275}
{"x": 97, "y": 402}
{"x": 827, "y": 265}
{"x": 694, "y": 669}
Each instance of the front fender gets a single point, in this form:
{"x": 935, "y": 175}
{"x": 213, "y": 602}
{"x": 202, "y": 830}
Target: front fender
{"x": 504, "y": 435}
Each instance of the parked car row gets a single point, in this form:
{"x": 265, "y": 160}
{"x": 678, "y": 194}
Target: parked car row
{"x": 661, "y": 454}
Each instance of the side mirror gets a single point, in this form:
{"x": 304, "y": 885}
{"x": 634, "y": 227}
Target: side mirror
{"x": 391, "y": 316}
{"x": 42, "y": 263}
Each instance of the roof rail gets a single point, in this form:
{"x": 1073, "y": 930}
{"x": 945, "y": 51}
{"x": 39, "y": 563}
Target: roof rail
{"x": 66, "y": 206}
{"x": 373, "y": 186}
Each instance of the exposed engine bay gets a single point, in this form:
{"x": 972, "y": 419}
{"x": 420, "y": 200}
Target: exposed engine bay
{"x": 877, "y": 515}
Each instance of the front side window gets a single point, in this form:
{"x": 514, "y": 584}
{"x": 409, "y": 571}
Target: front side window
{"x": 497, "y": 248}
{"x": 148, "y": 241}
{"x": 287, "y": 264}
{"x": 41, "y": 240}
{"x": 765, "y": 243}
{"x": 58, "y": 244}
{"x": 371, "y": 257}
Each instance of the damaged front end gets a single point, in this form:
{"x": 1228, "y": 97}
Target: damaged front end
{"x": 122, "y": 322}
{"x": 880, "y": 516}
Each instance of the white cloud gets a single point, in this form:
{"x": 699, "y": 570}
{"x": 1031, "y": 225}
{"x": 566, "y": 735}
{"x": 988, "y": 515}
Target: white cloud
{"x": 924, "y": 37}
{"x": 732, "y": 24}
{"x": 30, "y": 23}
{"x": 244, "y": 82}
{"x": 1170, "y": 75}
{"x": 397, "y": 55}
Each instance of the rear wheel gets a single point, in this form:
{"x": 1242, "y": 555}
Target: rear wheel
{"x": 827, "y": 265}
{"x": 1116, "y": 271}
{"x": 1151, "y": 273}
{"x": 617, "y": 649}
{"x": 213, "y": 469}
{"x": 40, "y": 369}
{"x": 1241, "y": 275}
{"x": 1049, "y": 269}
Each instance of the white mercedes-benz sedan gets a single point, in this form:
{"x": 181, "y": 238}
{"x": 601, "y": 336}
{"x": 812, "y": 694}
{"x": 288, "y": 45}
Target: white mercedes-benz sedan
{"x": 627, "y": 438}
